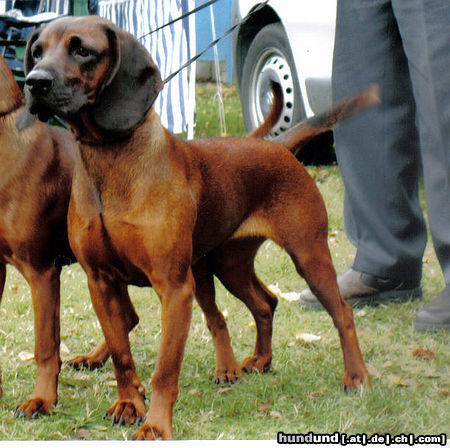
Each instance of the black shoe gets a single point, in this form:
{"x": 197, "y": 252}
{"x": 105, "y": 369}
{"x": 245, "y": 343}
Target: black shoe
{"x": 360, "y": 289}
{"x": 435, "y": 315}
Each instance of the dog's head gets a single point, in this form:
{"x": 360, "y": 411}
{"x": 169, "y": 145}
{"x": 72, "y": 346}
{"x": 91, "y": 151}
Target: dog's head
{"x": 88, "y": 65}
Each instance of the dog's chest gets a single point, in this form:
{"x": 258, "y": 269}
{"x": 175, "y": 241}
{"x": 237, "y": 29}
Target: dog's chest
{"x": 111, "y": 231}
{"x": 108, "y": 242}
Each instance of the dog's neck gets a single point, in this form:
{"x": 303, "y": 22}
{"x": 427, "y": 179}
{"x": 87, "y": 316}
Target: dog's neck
{"x": 95, "y": 142}
{"x": 15, "y": 147}
{"x": 86, "y": 132}
{"x": 115, "y": 170}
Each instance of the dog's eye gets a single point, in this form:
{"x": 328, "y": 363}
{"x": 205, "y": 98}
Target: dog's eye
{"x": 36, "y": 54}
{"x": 79, "y": 51}
{"x": 83, "y": 52}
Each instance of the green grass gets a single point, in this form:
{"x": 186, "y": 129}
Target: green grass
{"x": 207, "y": 111}
{"x": 301, "y": 392}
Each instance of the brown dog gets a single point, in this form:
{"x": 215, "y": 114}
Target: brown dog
{"x": 36, "y": 168}
{"x": 147, "y": 207}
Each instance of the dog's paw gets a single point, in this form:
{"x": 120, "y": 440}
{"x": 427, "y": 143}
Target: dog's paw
{"x": 153, "y": 432}
{"x": 34, "y": 408}
{"x": 229, "y": 374}
{"x": 258, "y": 364}
{"x": 126, "y": 412}
{"x": 84, "y": 362}
{"x": 356, "y": 380}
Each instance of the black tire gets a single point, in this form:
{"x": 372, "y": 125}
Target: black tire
{"x": 270, "y": 58}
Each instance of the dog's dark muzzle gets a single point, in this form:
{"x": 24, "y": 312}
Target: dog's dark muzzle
{"x": 39, "y": 93}
{"x": 39, "y": 81}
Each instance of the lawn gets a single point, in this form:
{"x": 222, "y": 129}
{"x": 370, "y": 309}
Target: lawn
{"x": 301, "y": 392}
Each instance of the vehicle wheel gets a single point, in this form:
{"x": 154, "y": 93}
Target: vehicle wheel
{"x": 269, "y": 58}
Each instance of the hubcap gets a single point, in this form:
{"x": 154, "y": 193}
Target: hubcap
{"x": 271, "y": 66}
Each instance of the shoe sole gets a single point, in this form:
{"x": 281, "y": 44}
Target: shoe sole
{"x": 375, "y": 299}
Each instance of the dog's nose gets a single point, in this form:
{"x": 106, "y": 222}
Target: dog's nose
{"x": 39, "y": 81}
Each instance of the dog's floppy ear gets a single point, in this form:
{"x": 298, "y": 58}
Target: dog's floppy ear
{"x": 26, "y": 118}
{"x": 130, "y": 88}
{"x": 28, "y": 60}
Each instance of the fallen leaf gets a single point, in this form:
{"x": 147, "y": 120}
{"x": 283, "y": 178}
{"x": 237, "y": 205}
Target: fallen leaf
{"x": 83, "y": 433}
{"x": 424, "y": 354}
{"x": 373, "y": 371}
{"x": 275, "y": 289}
{"x": 275, "y": 414}
{"x": 224, "y": 390}
{"x": 314, "y": 395}
{"x": 332, "y": 236}
{"x": 398, "y": 381}
{"x": 195, "y": 392}
{"x": 265, "y": 406}
{"x": 290, "y": 296}
{"x": 444, "y": 392}
{"x": 26, "y": 356}
{"x": 64, "y": 349}
{"x": 308, "y": 338}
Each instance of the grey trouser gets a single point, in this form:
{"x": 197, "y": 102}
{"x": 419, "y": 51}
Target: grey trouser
{"x": 404, "y": 46}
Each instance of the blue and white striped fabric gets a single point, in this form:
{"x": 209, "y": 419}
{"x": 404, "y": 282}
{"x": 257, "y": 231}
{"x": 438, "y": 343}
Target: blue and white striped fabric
{"x": 170, "y": 48}
{"x": 61, "y": 7}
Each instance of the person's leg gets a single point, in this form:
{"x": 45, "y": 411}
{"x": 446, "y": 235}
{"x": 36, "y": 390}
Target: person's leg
{"x": 377, "y": 151}
{"x": 425, "y": 31}
{"x": 378, "y": 154}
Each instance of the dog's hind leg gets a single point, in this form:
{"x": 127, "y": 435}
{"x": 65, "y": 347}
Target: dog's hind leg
{"x": 95, "y": 359}
{"x": 227, "y": 368}
{"x": 304, "y": 234}
{"x": 98, "y": 356}
{"x": 316, "y": 267}
{"x": 233, "y": 264}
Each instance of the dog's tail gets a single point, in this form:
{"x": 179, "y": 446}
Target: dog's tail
{"x": 274, "y": 114}
{"x": 300, "y": 134}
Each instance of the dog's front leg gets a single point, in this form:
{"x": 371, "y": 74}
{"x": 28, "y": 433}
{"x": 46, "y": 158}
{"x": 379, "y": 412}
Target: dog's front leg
{"x": 176, "y": 300}
{"x": 110, "y": 299}
{"x": 45, "y": 285}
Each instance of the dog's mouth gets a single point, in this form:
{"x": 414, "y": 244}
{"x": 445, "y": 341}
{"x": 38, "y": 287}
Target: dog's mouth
{"x": 43, "y": 112}
{"x": 44, "y": 106}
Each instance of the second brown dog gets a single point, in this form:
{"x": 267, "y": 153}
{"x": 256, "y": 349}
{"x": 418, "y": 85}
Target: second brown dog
{"x": 36, "y": 168}
{"x": 147, "y": 207}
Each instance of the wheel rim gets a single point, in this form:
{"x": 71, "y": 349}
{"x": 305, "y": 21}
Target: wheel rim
{"x": 271, "y": 66}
